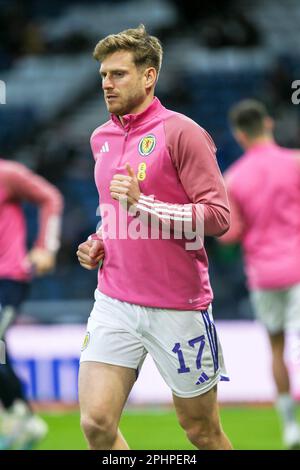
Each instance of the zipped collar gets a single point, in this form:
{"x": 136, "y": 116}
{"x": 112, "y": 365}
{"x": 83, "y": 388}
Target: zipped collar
{"x": 135, "y": 120}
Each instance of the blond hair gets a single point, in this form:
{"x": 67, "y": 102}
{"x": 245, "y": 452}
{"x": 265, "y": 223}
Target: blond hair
{"x": 147, "y": 50}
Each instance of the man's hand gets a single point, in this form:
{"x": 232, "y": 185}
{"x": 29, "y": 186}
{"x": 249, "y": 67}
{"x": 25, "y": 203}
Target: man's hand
{"x": 90, "y": 253}
{"x": 42, "y": 260}
{"x": 125, "y": 188}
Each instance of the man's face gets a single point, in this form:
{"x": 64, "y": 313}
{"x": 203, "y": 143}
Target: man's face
{"x": 123, "y": 83}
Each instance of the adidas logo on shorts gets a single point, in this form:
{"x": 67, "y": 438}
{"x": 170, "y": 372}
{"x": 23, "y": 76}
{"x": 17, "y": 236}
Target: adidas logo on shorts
{"x": 203, "y": 378}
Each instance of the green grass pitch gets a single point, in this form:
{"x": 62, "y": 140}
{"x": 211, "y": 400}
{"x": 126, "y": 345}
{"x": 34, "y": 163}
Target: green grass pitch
{"x": 248, "y": 428}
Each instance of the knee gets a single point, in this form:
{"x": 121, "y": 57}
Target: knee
{"x": 202, "y": 435}
{"x": 203, "y": 438}
{"x": 99, "y": 431}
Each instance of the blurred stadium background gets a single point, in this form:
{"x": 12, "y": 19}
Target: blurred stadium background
{"x": 216, "y": 53}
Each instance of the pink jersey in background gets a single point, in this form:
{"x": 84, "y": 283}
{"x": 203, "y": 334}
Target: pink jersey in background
{"x": 18, "y": 184}
{"x": 264, "y": 193}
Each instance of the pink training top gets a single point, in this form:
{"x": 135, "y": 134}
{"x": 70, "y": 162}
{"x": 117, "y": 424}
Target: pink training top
{"x": 174, "y": 160}
{"x": 18, "y": 184}
{"x": 264, "y": 195}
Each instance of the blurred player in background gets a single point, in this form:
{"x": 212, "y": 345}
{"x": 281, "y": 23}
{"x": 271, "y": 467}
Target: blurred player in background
{"x": 264, "y": 194}
{"x": 154, "y": 293}
{"x": 20, "y": 428}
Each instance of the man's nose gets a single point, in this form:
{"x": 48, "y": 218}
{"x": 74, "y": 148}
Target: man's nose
{"x": 107, "y": 83}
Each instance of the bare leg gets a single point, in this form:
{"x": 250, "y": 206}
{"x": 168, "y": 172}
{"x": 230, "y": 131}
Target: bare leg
{"x": 280, "y": 372}
{"x": 103, "y": 391}
{"x": 285, "y": 403}
{"x": 200, "y": 419}
{"x": 120, "y": 442}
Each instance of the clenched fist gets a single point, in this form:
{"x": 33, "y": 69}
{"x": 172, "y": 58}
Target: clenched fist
{"x": 42, "y": 260}
{"x": 90, "y": 253}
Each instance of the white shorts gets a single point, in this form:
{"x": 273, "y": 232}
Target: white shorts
{"x": 183, "y": 344}
{"x": 278, "y": 310}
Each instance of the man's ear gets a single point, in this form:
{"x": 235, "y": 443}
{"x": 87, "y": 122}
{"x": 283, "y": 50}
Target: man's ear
{"x": 150, "y": 77}
{"x": 241, "y": 137}
{"x": 269, "y": 124}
